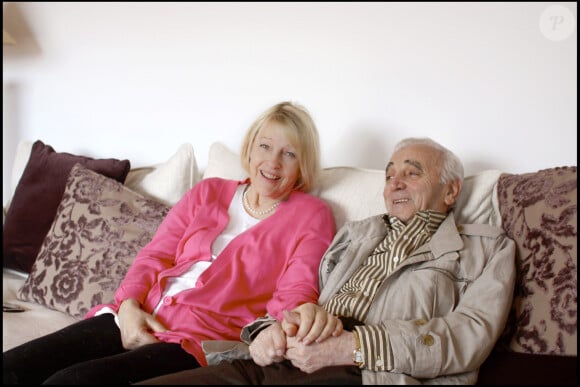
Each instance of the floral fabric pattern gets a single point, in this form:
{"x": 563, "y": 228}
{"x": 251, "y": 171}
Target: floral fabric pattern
{"x": 539, "y": 212}
{"x": 99, "y": 227}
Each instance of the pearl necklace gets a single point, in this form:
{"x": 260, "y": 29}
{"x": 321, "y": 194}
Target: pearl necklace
{"x": 252, "y": 209}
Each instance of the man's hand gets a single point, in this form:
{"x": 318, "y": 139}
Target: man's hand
{"x": 269, "y": 346}
{"x": 330, "y": 352}
{"x": 311, "y": 323}
{"x": 136, "y": 325}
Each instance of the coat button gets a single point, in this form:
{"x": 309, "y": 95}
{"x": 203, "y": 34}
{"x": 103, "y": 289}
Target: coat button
{"x": 428, "y": 340}
{"x": 167, "y": 300}
{"x": 420, "y": 321}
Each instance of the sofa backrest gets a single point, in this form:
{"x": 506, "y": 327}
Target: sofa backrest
{"x": 356, "y": 193}
{"x": 353, "y": 193}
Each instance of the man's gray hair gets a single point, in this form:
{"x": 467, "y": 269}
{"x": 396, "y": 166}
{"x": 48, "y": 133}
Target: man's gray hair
{"x": 451, "y": 168}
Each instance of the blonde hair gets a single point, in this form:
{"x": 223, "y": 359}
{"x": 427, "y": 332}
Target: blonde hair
{"x": 302, "y": 133}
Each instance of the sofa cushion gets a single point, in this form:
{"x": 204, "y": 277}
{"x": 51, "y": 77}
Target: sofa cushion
{"x": 166, "y": 182}
{"x": 477, "y": 202}
{"x": 356, "y": 193}
{"x": 99, "y": 227}
{"x": 339, "y": 186}
{"x": 35, "y": 321}
{"x": 224, "y": 163}
{"x": 37, "y": 196}
{"x": 352, "y": 193}
{"x": 539, "y": 212}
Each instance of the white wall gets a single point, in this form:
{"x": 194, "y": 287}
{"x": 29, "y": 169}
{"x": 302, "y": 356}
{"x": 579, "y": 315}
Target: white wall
{"x": 135, "y": 80}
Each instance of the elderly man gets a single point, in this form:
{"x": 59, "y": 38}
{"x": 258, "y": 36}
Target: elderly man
{"x": 419, "y": 298}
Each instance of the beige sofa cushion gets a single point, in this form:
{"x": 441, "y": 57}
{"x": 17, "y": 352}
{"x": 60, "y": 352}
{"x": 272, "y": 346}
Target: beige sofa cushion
{"x": 37, "y": 320}
{"x": 356, "y": 193}
{"x": 166, "y": 182}
{"x": 223, "y": 162}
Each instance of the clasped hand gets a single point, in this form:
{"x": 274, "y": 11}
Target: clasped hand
{"x": 308, "y": 336}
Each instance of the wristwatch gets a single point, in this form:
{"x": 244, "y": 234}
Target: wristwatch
{"x": 357, "y": 356}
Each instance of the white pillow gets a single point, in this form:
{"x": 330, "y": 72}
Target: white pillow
{"x": 169, "y": 181}
{"x": 356, "y": 193}
{"x": 222, "y": 162}
{"x": 352, "y": 193}
{"x": 477, "y": 202}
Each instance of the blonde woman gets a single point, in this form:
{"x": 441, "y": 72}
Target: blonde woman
{"x": 227, "y": 253}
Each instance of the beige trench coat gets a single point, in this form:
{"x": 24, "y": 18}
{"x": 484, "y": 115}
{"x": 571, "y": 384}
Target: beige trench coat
{"x": 444, "y": 307}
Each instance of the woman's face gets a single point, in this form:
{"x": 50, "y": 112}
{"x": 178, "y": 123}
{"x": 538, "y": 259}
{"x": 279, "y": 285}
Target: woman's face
{"x": 274, "y": 165}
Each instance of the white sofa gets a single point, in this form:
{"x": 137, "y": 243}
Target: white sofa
{"x": 353, "y": 193}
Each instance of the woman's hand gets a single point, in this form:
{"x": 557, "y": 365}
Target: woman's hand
{"x": 311, "y": 323}
{"x": 136, "y": 325}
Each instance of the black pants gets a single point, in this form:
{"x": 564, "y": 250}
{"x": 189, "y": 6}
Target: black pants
{"x": 247, "y": 372}
{"x": 90, "y": 352}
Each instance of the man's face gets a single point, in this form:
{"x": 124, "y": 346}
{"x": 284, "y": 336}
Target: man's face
{"x": 412, "y": 183}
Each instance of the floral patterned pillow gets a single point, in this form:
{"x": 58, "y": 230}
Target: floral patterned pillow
{"x": 539, "y": 212}
{"x": 100, "y": 226}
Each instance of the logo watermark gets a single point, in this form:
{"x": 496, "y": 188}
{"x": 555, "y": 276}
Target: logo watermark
{"x": 557, "y": 23}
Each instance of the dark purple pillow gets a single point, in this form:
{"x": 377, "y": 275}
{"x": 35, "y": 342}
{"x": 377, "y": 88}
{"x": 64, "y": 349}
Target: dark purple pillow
{"x": 37, "y": 196}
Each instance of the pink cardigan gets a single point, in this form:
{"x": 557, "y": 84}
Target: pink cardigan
{"x": 271, "y": 267}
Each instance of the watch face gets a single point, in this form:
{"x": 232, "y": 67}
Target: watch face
{"x": 357, "y": 358}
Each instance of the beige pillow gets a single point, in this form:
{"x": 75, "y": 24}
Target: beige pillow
{"x": 339, "y": 187}
{"x": 169, "y": 181}
{"x": 100, "y": 226}
{"x": 477, "y": 202}
{"x": 352, "y": 193}
{"x": 224, "y": 163}
{"x": 356, "y": 193}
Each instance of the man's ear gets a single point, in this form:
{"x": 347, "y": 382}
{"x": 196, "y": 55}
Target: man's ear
{"x": 453, "y": 190}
